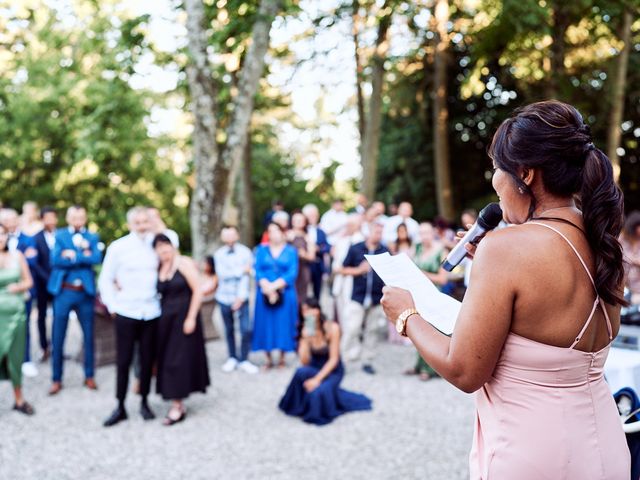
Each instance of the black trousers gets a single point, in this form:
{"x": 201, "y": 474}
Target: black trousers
{"x": 130, "y": 331}
{"x": 317, "y": 270}
{"x": 43, "y": 299}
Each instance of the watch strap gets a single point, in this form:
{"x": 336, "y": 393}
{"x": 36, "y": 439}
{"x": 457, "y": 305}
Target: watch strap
{"x": 404, "y": 317}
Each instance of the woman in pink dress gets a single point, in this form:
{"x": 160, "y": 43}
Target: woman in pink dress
{"x": 541, "y": 310}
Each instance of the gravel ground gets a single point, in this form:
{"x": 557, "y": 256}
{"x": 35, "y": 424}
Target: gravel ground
{"x": 235, "y": 431}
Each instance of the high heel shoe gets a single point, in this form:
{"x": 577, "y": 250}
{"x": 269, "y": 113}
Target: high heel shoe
{"x": 168, "y": 421}
{"x": 24, "y": 408}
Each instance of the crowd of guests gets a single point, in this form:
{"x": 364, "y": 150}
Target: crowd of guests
{"x": 154, "y": 295}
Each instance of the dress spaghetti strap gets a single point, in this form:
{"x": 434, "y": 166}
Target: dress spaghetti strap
{"x": 593, "y": 283}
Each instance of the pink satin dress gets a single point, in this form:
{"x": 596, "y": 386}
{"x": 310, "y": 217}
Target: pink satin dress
{"x": 548, "y": 414}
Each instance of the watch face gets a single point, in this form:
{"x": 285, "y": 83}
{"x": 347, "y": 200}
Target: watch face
{"x": 399, "y": 323}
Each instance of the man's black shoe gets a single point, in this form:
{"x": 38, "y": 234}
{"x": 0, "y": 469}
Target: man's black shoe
{"x": 116, "y": 416}
{"x": 146, "y": 412}
{"x": 368, "y": 369}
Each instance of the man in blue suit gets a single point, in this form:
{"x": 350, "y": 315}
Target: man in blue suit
{"x": 318, "y": 236}
{"x": 24, "y": 243}
{"x": 73, "y": 286}
{"x": 44, "y": 241}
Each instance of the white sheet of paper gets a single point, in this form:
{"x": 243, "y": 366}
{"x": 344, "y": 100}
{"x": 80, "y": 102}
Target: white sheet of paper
{"x": 435, "y": 307}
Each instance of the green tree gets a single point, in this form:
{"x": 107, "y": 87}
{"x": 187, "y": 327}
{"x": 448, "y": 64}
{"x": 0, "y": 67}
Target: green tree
{"x": 72, "y": 129}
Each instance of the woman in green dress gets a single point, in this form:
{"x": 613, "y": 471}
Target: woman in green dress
{"x": 15, "y": 281}
{"x": 428, "y": 254}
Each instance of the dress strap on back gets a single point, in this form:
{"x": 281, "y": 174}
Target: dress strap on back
{"x": 593, "y": 283}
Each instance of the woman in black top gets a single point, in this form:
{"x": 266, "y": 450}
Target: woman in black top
{"x": 182, "y": 360}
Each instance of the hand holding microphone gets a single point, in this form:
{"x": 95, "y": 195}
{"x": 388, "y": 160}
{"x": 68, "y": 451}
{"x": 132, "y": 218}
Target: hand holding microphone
{"x": 489, "y": 218}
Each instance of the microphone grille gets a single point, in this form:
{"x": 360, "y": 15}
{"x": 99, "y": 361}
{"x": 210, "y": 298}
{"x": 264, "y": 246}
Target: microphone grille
{"x": 490, "y": 216}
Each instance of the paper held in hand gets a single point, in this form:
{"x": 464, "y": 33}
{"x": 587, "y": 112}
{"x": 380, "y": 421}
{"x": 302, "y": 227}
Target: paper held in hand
{"x": 435, "y": 307}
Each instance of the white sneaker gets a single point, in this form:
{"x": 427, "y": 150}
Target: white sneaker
{"x": 230, "y": 365}
{"x": 29, "y": 369}
{"x": 248, "y": 367}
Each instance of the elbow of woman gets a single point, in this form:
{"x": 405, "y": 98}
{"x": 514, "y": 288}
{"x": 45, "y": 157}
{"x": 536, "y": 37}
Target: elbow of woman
{"x": 468, "y": 386}
{"x": 466, "y": 381}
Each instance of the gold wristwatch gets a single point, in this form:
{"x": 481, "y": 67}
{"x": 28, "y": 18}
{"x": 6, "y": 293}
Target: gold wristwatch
{"x": 401, "y": 322}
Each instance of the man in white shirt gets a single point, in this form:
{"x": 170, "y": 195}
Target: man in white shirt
{"x": 390, "y": 235}
{"x": 127, "y": 286}
{"x": 233, "y": 264}
{"x": 334, "y": 221}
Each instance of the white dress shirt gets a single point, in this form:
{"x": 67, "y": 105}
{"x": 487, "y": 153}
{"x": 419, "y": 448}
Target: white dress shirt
{"x": 50, "y": 238}
{"x": 333, "y": 223}
{"x": 129, "y": 277}
{"x": 232, "y": 268}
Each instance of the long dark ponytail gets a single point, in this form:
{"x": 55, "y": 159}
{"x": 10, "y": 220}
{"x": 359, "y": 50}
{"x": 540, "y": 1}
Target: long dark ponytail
{"x": 602, "y": 209}
{"x": 552, "y": 137}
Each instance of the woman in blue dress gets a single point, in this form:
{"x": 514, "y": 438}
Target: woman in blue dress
{"x": 276, "y": 307}
{"x": 314, "y": 392}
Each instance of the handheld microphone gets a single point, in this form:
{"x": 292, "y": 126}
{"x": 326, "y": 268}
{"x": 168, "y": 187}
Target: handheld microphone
{"x": 488, "y": 219}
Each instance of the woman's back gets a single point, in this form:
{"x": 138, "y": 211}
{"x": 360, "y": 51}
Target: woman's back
{"x": 554, "y": 293}
{"x": 547, "y": 409}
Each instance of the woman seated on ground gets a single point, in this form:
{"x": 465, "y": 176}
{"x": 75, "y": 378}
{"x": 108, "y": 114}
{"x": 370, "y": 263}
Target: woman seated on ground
{"x": 314, "y": 392}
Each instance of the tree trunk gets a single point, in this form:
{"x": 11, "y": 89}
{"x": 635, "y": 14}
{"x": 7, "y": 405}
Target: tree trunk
{"x": 243, "y": 103}
{"x": 561, "y": 21}
{"x": 203, "y": 211}
{"x": 357, "y": 25}
{"x": 245, "y": 199}
{"x": 617, "y": 96}
{"x": 444, "y": 194}
{"x": 371, "y": 141}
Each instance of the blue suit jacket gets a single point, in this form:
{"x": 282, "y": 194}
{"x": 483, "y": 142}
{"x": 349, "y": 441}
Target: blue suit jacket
{"x": 82, "y": 264}
{"x": 323, "y": 249}
{"x": 25, "y": 242}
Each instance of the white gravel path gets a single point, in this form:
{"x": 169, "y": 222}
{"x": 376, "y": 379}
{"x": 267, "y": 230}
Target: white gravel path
{"x": 235, "y": 431}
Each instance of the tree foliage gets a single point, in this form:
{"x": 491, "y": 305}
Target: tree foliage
{"x": 73, "y": 130}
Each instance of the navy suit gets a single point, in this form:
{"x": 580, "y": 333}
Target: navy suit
{"x": 73, "y": 286}
{"x": 317, "y": 267}
{"x": 42, "y": 272}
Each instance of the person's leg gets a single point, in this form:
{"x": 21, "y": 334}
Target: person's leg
{"x": 316, "y": 278}
{"x": 176, "y": 413}
{"x": 148, "y": 339}
{"x": 281, "y": 362}
{"x": 351, "y": 324}
{"x": 269, "y": 363}
{"x": 42, "y": 302}
{"x": 14, "y": 360}
{"x": 372, "y": 330}
{"x": 125, "y": 340}
{"x": 85, "y": 311}
{"x": 62, "y": 304}
{"x": 27, "y": 348}
{"x": 227, "y": 317}
{"x": 245, "y": 331}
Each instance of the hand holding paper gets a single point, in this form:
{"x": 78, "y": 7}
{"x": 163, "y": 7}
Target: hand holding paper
{"x": 438, "y": 309}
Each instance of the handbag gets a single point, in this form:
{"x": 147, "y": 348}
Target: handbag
{"x": 277, "y": 302}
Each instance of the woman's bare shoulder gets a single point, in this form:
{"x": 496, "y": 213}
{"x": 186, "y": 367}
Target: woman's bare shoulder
{"x": 512, "y": 243}
{"x": 186, "y": 263}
